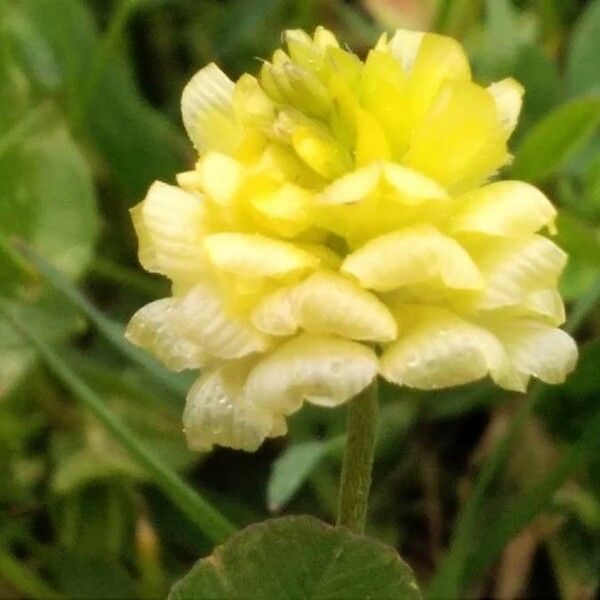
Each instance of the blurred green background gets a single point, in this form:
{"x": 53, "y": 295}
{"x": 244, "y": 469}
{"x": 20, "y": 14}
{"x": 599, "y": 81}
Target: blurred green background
{"x": 89, "y": 117}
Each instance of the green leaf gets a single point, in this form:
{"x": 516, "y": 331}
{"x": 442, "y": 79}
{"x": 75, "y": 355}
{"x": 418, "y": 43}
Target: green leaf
{"x": 554, "y": 139}
{"x": 583, "y": 74}
{"x": 540, "y": 77}
{"x": 137, "y": 142}
{"x": 91, "y": 577}
{"x": 297, "y": 558}
{"x": 46, "y": 198}
{"x": 293, "y": 467}
{"x": 581, "y": 243}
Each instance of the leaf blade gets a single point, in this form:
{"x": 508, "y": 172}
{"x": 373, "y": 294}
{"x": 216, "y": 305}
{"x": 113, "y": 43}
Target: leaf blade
{"x": 299, "y": 558}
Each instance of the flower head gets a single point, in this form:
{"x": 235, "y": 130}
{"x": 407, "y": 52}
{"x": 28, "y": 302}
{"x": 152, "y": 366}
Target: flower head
{"x": 340, "y": 223}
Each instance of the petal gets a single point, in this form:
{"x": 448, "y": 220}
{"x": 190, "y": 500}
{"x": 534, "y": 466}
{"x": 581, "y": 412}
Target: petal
{"x": 220, "y": 176}
{"x": 324, "y": 38}
{"x": 146, "y": 251}
{"x": 460, "y": 141}
{"x": 330, "y": 304}
{"x": 513, "y": 268}
{"x": 217, "y": 412}
{"x": 371, "y": 140}
{"x": 508, "y": 96}
{"x": 410, "y": 256}
{"x": 323, "y": 370}
{"x": 320, "y": 152}
{"x": 251, "y": 105}
{"x": 511, "y": 208}
{"x": 383, "y": 94}
{"x": 202, "y": 319}
{"x": 352, "y": 187}
{"x": 437, "y": 59}
{"x": 153, "y": 328}
{"x": 301, "y": 48}
{"x": 277, "y": 314}
{"x": 253, "y": 255}
{"x": 404, "y": 47}
{"x": 546, "y": 303}
{"x": 284, "y": 211}
{"x": 538, "y": 349}
{"x": 207, "y": 111}
{"x": 438, "y": 349}
{"x": 411, "y": 187}
{"x": 171, "y": 224}
{"x": 326, "y": 304}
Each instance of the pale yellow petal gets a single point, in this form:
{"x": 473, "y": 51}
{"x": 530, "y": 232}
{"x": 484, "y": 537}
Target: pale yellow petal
{"x": 277, "y": 314}
{"x": 342, "y": 64}
{"x": 301, "y": 48}
{"x": 508, "y": 95}
{"x": 411, "y": 256}
{"x": 253, "y": 255}
{"x": 174, "y": 224}
{"x": 146, "y": 250}
{"x": 217, "y": 412}
{"x": 438, "y": 349}
{"x": 190, "y": 181}
{"x": 538, "y": 349}
{"x": 513, "y": 268}
{"x": 251, "y": 105}
{"x": 411, "y": 187}
{"x": 352, "y": 187}
{"x": 511, "y": 208}
{"x": 404, "y": 47}
{"x": 320, "y": 152}
{"x": 322, "y": 370}
{"x": 546, "y": 303}
{"x": 326, "y": 304}
{"x": 220, "y": 176}
{"x": 153, "y": 328}
{"x": 284, "y": 211}
{"x": 324, "y": 38}
{"x": 330, "y": 304}
{"x": 201, "y": 318}
{"x": 207, "y": 110}
{"x": 326, "y": 257}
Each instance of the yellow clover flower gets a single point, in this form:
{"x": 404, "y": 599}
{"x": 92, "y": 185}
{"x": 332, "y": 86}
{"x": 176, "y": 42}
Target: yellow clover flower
{"x": 340, "y": 223}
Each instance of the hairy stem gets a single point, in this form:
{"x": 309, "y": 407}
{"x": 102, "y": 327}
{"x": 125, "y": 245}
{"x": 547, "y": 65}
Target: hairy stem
{"x": 358, "y": 459}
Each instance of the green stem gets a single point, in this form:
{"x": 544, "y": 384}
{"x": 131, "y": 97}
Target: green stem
{"x": 358, "y": 459}
{"x": 209, "y": 520}
{"x": 25, "y": 581}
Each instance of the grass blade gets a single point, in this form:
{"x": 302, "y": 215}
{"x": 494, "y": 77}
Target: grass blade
{"x": 25, "y": 581}
{"x": 532, "y": 502}
{"x": 450, "y": 578}
{"x": 111, "y": 330}
{"x": 210, "y": 521}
